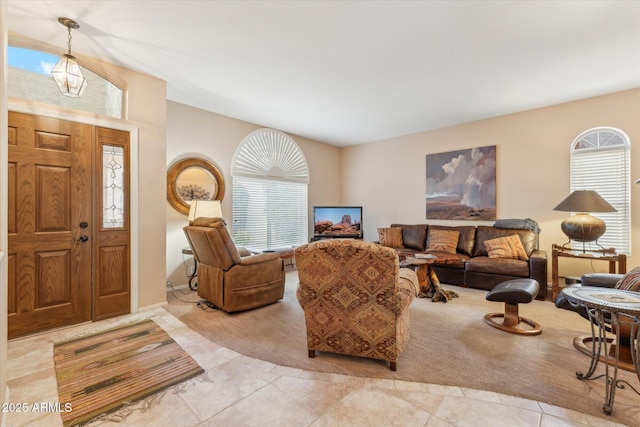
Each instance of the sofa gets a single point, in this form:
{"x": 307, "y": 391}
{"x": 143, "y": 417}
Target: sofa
{"x": 478, "y": 267}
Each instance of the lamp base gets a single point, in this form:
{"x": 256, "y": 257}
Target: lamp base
{"x": 584, "y": 249}
{"x": 583, "y": 227}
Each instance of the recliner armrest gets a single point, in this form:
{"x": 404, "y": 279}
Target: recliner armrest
{"x": 259, "y": 258}
{"x": 603, "y": 280}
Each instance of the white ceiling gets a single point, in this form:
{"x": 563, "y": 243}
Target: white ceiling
{"x": 352, "y": 72}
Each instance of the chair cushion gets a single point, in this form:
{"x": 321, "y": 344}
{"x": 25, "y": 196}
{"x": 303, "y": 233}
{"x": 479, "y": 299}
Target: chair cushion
{"x": 211, "y": 243}
{"x": 498, "y": 266}
{"x": 630, "y": 281}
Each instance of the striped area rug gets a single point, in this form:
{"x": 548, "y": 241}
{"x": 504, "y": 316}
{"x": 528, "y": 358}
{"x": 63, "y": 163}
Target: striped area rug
{"x": 99, "y": 373}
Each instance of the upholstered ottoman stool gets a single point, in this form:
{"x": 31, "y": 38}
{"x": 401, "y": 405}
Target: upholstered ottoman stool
{"x": 512, "y": 293}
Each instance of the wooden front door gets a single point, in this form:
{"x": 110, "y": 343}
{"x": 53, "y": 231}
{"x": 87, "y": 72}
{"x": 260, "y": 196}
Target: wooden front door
{"x": 68, "y": 220}
{"x": 49, "y": 217}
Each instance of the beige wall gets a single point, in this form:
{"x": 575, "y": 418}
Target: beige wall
{"x": 147, "y": 110}
{"x": 388, "y": 177}
{"x": 192, "y": 132}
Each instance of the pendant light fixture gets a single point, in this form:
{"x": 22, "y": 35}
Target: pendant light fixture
{"x": 67, "y": 73}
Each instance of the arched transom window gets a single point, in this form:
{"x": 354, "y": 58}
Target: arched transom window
{"x": 600, "y": 162}
{"x": 270, "y": 192}
{"x": 29, "y": 77}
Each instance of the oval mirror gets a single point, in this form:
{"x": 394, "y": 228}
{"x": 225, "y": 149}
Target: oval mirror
{"x": 193, "y": 179}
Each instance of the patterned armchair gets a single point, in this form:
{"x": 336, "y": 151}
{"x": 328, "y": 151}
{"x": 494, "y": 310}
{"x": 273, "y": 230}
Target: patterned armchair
{"x": 355, "y": 298}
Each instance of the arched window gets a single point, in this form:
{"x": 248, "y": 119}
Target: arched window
{"x": 29, "y": 77}
{"x": 270, "y": 186}
{"x": 600, "y": 162}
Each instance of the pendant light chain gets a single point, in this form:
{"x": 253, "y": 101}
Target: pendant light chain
{"x": 69, "y": 38}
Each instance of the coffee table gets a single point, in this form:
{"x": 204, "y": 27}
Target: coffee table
{"x": 427, "y": 277}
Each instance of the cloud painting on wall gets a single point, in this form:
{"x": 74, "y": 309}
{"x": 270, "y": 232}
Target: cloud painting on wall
{"x": 461, "y": 184}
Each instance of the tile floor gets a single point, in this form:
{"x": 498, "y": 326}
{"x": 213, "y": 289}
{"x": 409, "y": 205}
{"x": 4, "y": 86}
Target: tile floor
{"x": 242, "y": 391}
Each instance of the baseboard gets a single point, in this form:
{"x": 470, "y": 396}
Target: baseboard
{"x": 151, "y": 307}
{"x": 185, "y": 286}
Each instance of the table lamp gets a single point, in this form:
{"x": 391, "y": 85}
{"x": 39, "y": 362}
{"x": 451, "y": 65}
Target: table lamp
{"x": 583, "y": 227}
{"x": 204, "y": 208}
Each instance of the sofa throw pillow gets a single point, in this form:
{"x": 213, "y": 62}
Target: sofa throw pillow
{"x": 506, "y": 247}
{"x": 630, "y": 281}
{"x": 390, "y": 237}
{"x": 443, "y": 241}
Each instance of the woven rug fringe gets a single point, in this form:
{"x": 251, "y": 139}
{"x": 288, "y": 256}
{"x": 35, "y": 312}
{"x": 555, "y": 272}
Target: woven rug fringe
{"x": 143, "y": 405}
{"x": 99, "y": 330}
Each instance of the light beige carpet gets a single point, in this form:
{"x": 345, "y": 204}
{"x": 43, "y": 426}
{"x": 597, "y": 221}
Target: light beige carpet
{"x": 449, "y": 344}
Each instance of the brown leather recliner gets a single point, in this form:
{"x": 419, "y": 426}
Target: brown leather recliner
{"x": 228, "y": 280}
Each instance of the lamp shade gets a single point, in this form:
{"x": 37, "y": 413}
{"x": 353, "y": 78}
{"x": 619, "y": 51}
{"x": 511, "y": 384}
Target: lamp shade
{"x": 584, "y": 201}
{"x": 583, "y": 227}
{"x": 204, "y": 208}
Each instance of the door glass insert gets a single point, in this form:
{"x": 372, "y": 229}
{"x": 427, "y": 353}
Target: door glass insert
{"x": 113, "y": 186}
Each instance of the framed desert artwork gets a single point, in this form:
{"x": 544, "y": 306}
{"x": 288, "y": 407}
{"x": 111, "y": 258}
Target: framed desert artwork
{"x": 461, "y": 184}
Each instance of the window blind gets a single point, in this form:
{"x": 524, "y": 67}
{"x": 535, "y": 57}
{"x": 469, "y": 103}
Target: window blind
{"x": 605, "y": 168}
{"x": 269, "y": 213}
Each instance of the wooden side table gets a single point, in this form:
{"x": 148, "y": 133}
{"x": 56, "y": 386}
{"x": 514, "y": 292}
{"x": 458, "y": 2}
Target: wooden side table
{"x": 609, "y": 255}
{"x": 287, "y": 257}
